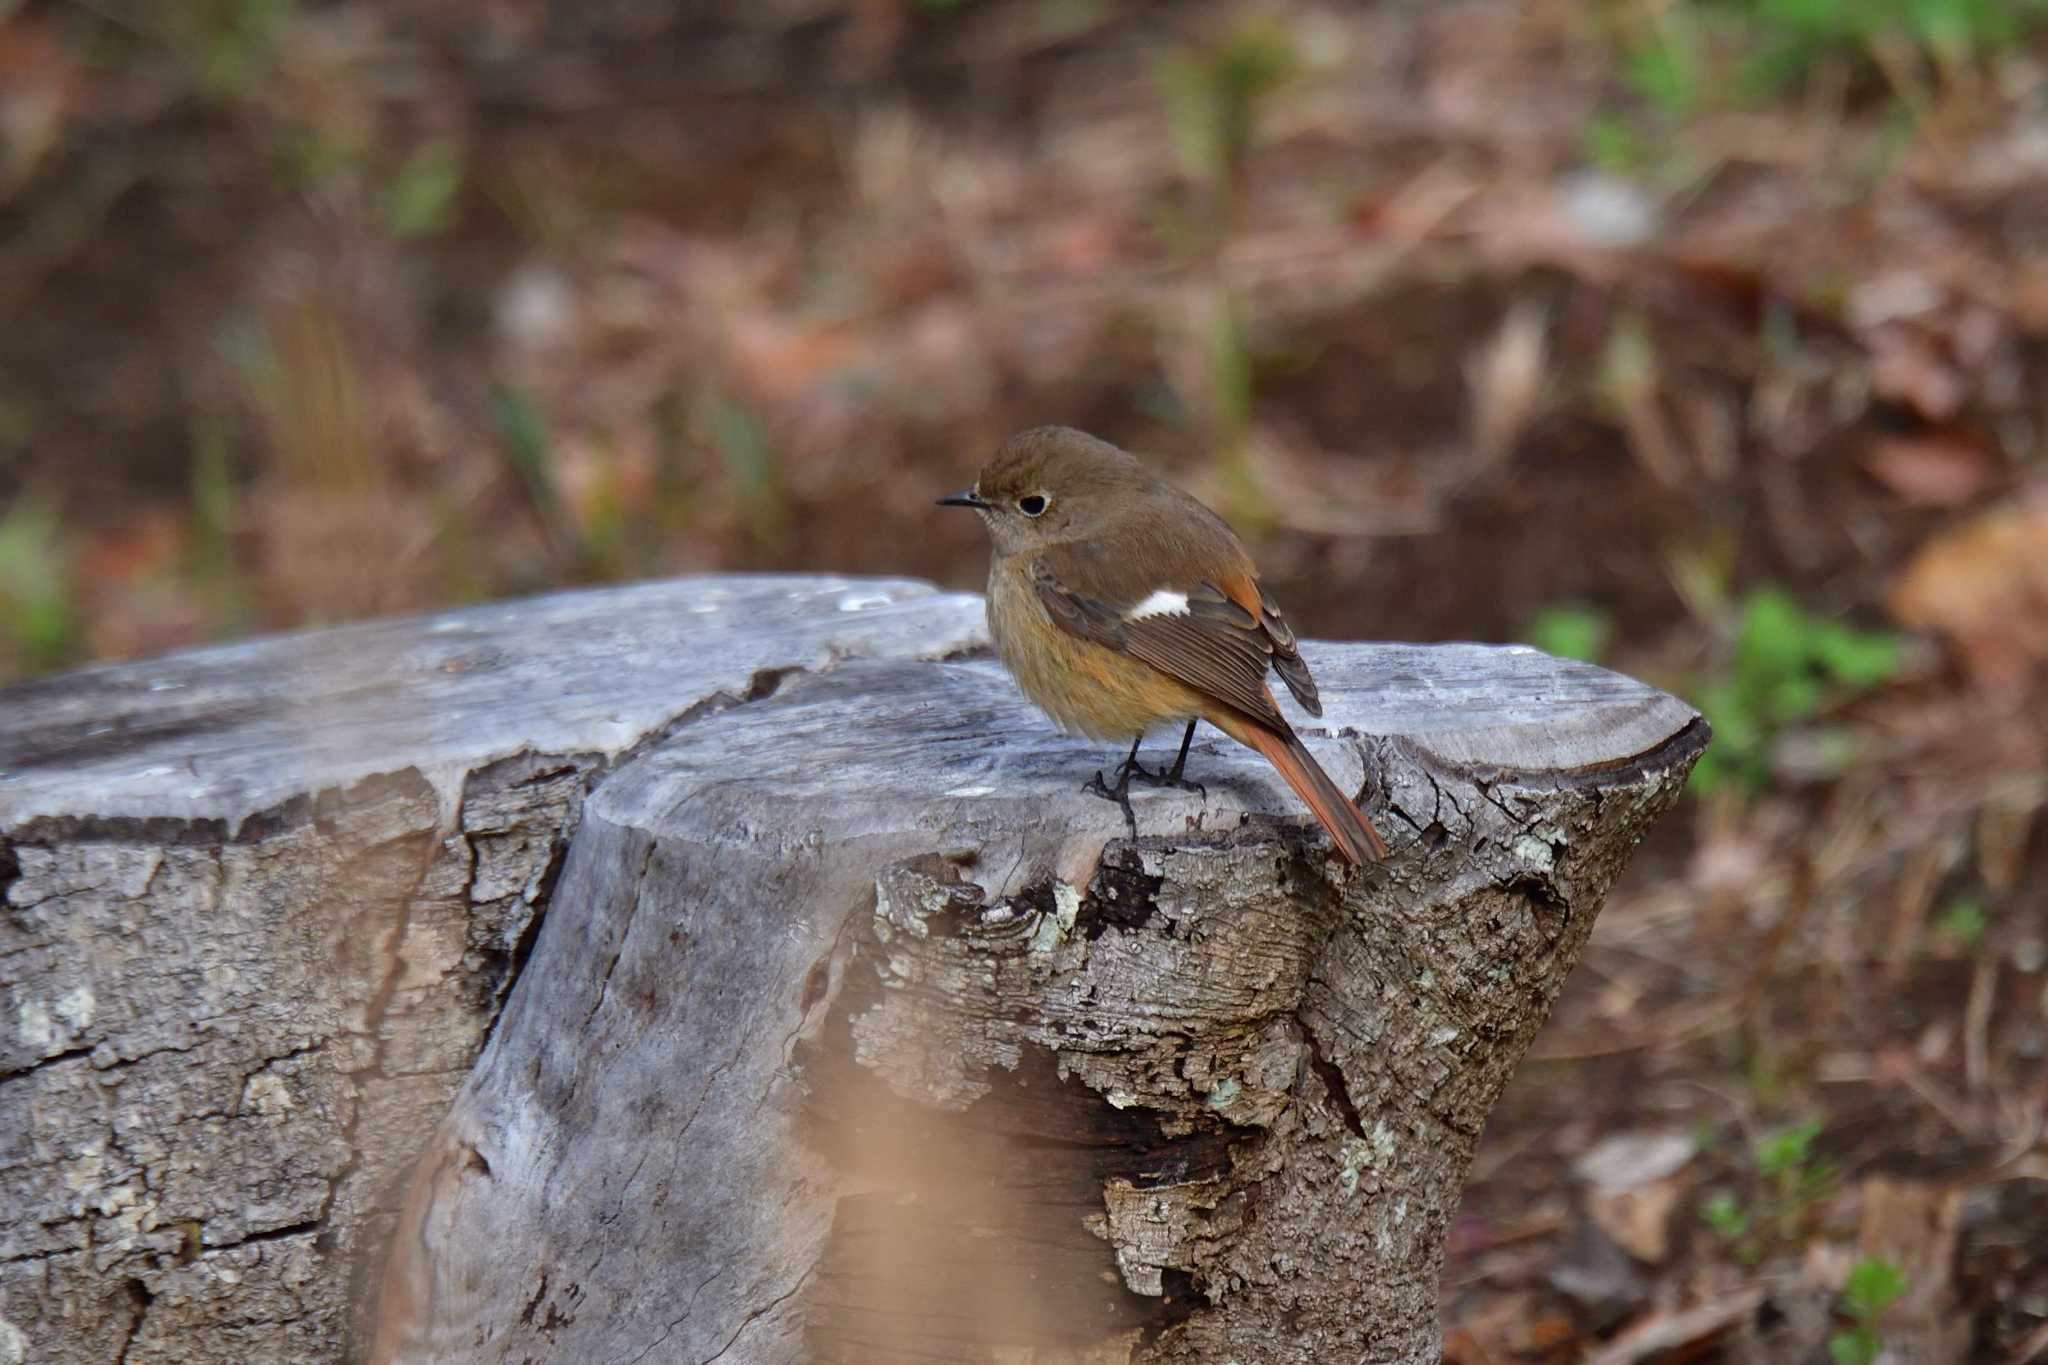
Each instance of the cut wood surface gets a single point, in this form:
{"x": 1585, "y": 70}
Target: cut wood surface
{"x": 841, "y": 1026}
{"x": 259, "y": 905}
{"x": 858, "y": 1033}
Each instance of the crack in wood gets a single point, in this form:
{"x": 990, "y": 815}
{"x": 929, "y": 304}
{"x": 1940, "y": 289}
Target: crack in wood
{"x": 71, "y": 1054}
{"x": 604, "y": 985}
{"x": 139, "y": 1299}
{"x": 757, "y": 1315}
{"x": 1333, "y": 1081}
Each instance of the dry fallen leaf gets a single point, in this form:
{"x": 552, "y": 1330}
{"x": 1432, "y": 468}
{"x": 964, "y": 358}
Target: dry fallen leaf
{"x": 1514, "y": 1325}
{"x": 1664, "y": 1330}
{"x": 1909, "y": 368}
{"x": 1634, "y": 1183}
{"x": 40, "y": 85}
{"x": 1506, "y": 377}
{"x": 1941, "y": 468}
{"x": 1985, "y": 586}
{"x": 1627, "y": 1160}
{"x": 1639, "y": 1220}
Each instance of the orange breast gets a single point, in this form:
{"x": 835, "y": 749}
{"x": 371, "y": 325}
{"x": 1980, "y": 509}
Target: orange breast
{"x": 1083, "y": 686}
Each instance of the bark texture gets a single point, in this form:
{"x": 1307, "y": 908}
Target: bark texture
{"x": 259, "y": 906}
{"x": 857, "y": 1033}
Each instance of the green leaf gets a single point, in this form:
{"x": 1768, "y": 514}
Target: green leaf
{"x": 1739, "y": 750}
{"x": 1964, "y": 922}
{"x": 1736, "y": 724}
{"x": 1572, "y": 631}
{"x": 421, "y": 199}
{"x": 1191, "y": 115}
{"x": 312, "y": 156}
{"x": 37, "y": 615}
{"x": 1710, "y": 774}
{"x": 1874, "y": 1284}
{"x": 1666, "y": 72}
{"x": 529, "y": 447}
{"x": 1783, "y": 664}
{"x": 1855, "y": 658}
{"x": 1213, "y": 95}
{"x": 1738, "y": 747}
{"x": 1230, "y": 367}
{"x": 1771, "y": 642}
{"x": 1724, "y": 1214}
{"x": 213, "y": 498}
{"x": 1792, "y": 698}
{"x": 1788, "y": 1149}
{"x": 1787, "y": 39}
{"x": 228, "y": 46}
{"x": 1614, "y": 146}
{"x": 1858, "y": 1347}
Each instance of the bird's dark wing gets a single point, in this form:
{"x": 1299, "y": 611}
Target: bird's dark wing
{"x": 1218, "y": 638}
{"x": 1287, "y": 660}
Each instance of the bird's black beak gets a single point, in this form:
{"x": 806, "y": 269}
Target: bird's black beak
{"x": 966, "y": 497}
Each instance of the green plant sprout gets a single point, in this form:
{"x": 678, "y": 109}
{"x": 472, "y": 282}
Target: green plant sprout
{"x": 1687, "y": 57}
{"x": 1572, "y": 630}
{"x": 1724, "y": 1213}
{"x": 1963, "y": 924}
{"x": 1213, "y": 95}
{"x": 529, "y": 448}
{"x": 38, "y": 616}
{"x": 1786, "y": 1159}
{"x": 1788, "y": 39}
{"x": 420, "y": 200}
{"x": 228, "y": 46}
{"x": 1791, "y": 1179}
{"x": 1777, "y": 44}
{"x": 1786, "y": 665}
{"x": 1874, "y": 1284}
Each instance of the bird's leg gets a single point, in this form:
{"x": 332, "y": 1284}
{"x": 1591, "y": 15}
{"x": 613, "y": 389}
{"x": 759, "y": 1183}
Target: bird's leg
{"x": 1172, "y": 777}
{"x": 1121, "y": 792}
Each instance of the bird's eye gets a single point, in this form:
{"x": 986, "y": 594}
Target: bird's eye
{"x": 1033, "y": 505}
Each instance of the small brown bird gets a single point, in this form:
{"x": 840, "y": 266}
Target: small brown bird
{"x": 1121, "y": 603}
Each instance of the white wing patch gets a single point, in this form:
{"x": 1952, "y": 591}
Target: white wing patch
{"x": 1160, "y": 603}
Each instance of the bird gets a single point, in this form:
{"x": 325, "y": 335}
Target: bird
{"x": 1120, "y": 603}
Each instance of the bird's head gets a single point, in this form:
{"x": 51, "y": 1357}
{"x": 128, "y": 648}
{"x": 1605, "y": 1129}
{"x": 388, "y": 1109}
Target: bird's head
{"x": 1049, "y": 484}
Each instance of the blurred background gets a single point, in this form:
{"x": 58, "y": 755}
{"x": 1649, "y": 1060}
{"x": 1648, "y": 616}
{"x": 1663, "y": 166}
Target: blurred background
{"x": 1702, "y": 338}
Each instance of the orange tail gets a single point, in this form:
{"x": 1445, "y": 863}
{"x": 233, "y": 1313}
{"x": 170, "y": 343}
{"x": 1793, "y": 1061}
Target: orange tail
{"x": 1356, "y": 839}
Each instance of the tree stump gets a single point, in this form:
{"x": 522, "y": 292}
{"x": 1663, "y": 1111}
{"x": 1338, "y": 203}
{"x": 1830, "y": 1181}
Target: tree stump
{"x": 857, "y": 1032}
{"x": 259, "y": 906}
{"x": 841, "y": 1026}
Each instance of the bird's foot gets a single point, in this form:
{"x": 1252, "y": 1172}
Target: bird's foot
{"x": 1130, "y": 770}
{"x": 1170, "y": 777}
{"x": 1121, "y": 792}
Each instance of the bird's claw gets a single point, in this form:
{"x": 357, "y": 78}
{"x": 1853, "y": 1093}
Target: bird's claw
{"x": 1130, "y": 769}
{"x": 1120, "y": 793}
{"x": 1169, "y": 778}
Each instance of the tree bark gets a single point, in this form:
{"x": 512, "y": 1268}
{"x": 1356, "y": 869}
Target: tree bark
{"x": 858, "y": 1033}
{"x": 841, "y": 1026}
{"x": 259, "y": 906}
